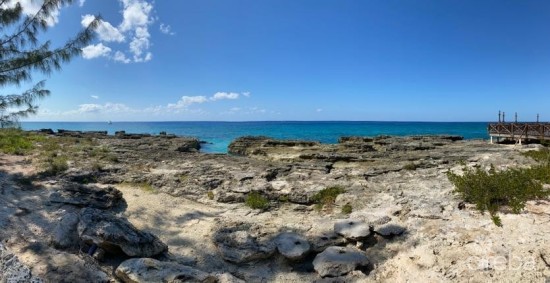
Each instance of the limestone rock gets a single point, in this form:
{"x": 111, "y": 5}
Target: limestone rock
{"x": 112, "y": 233}
{"x": 241, "y": 247}
{"x": 352, "y": 229}
{"x": 338, "y": 261}
{"x": 86, "y": 196}
{"x": 139, "y": 270}
{"x": 390, "y": 229}
{"x": 189, "y": 145}
{"x": 292, "y": 245}
{"x": 65, "y": 234}
{"x": 12, "y": 270}
{"x": 325, "y": 239}
{"x": 228, "y": 278}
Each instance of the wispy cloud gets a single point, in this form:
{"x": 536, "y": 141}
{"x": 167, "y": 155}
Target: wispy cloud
{"x": 94, "y": 96}
{"x": 319, "y": 110}
{"x": 166, "y": 29}
{"x": 224, "y": 95}
{"x": 81, "y": 3}
{"x": 134, "y": 29}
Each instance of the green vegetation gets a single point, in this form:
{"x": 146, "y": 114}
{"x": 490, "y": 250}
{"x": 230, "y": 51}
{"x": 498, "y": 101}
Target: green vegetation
{"x": 491, "y": 190}
{"x": 55, "y": 165}
{"x": 255, "y": 200}
{"x": 15, "y": 141}
{"x": 347, "y": 209}
{"x": 326, "y": 197}
{"x": 410, "y": 166}
{"x": 542, "y": 155}
{"x": 210, "y": 195}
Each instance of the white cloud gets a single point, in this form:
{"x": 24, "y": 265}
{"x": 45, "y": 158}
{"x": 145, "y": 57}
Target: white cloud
{"x": 246, "y": 94}
{"x": 224, "y": 95}
{"x": 94, "y": 51}
{"x": 133, "y": 30}
{"x": 166, "y": 29}
{"x": 94, "y": 96}
{"x": 186, "y": 101}
{"x": 319, "y": 110}
{"x": 105, "y": 30}
{"x": 105, "y": 108}
{"x": 120, "y": 57}
{"x": 81, "y": 3}
{"x": 136, "y": 13}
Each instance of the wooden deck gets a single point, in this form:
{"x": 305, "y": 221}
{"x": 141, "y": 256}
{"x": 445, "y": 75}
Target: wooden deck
{"x": 519, "y": 131}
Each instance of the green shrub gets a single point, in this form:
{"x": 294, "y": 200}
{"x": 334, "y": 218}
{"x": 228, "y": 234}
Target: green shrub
{"x": 15, "y": 141}
{"x": 410, "y": 166}
{"x": 56, "y": 165}
{"x": 255, "y": 200}
{"x": 542, "y": 155}
{"x": 325, "y": 198}
{"x": 347, "y": 209}
{"x": 210, "y": 195}
{"x": 490, "y": 190}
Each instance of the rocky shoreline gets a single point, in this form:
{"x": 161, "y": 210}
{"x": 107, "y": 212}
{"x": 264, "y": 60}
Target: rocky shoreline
{"x": 144, "y": 208}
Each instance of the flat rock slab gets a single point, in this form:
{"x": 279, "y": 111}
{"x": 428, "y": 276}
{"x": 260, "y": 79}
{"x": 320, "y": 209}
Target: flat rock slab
{"x": 139, "y": 270}
{"x": 86, "y": 196}
{"x": 352, "y": 229}
{"x": 338, "y": 261}
{"x": 112, "y": 233}
{"x": 292, "y": 245}
{"x": 241, "y": 246}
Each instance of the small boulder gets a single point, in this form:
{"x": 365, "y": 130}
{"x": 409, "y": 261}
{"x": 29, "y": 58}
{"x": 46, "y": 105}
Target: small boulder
{"x": 389, "y": 230}
{"x": 151, "y": 270}
{"x": 338, "y": 261}
{"x": 65, "y": 234}
{"x": 292, "y": 245}
{"x": 352, "y": 229}
{"x": 241, "y": 246}
{"x": 113, "y": 233}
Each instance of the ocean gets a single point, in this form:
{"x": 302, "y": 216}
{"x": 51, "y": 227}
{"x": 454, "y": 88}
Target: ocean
{"x": 218, "y": 135}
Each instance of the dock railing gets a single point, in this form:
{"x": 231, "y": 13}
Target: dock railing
{"x": 519, "y": 131}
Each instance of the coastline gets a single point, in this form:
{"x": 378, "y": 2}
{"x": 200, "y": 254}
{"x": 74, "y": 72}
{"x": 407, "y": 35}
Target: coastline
{"x": 195, "y": 204}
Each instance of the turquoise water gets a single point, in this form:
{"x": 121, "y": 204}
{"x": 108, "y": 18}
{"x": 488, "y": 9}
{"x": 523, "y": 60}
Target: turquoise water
{"x": 220, "y": 134}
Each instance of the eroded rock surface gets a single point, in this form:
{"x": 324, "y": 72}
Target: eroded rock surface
{"x": 338, "y": 261}
{"x": 139, "y": 270}
{"x": 112, "y": 234}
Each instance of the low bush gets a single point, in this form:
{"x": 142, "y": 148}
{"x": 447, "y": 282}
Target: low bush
{"x": 55, "y": 165}
{"x": 15, "y": 141}
{"x": 347, "y": 209}
{"x": 255, "y": 200}
{"x": 492, "y": 189}
{"x": 410, "y": 166}
{"x": 325, "y": 198}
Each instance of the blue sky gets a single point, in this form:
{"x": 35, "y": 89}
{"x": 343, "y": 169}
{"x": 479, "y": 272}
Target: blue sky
{"x": 383, "y": 60}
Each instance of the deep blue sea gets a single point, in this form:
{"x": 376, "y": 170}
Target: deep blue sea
{"x": 220, "y": 134}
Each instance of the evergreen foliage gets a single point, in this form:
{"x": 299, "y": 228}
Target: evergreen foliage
{"x": 21, "y": 55}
